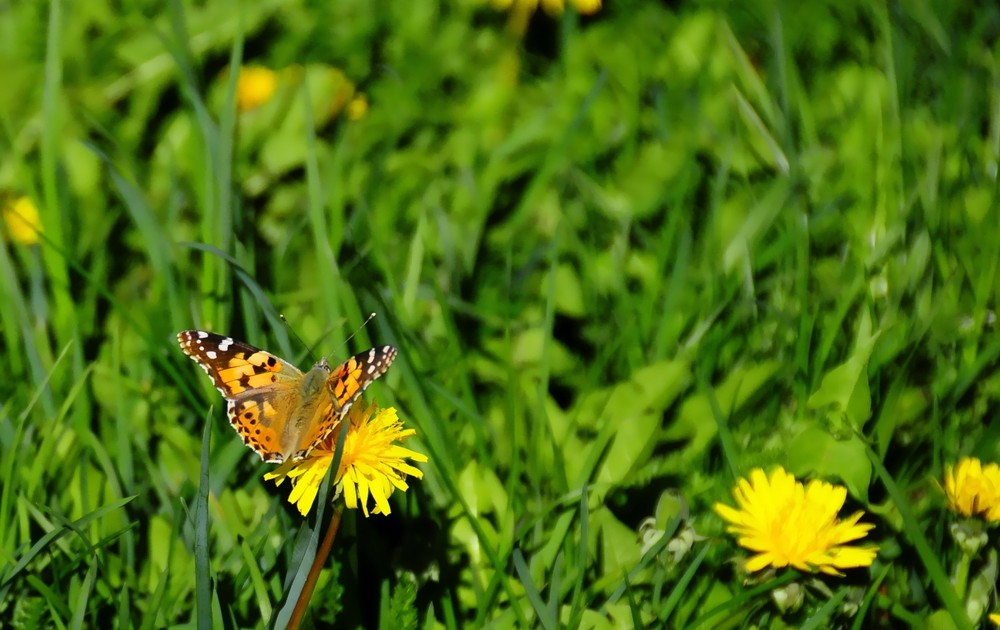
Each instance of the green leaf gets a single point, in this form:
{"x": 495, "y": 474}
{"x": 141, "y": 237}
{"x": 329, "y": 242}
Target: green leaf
{"x": 939, "y": 620}
{"x": 844, "y": 390}
{"x": 816, "y": 451}
{"x": 634, "y": 411}
{"x": 618, "y": 546}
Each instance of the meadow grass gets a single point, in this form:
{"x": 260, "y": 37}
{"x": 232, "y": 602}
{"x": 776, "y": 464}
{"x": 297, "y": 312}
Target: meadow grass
{"x": 626, "y": 259}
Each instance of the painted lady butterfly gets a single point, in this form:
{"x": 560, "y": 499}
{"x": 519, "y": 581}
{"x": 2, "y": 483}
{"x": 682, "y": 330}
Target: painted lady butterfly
{"x": 281, "y": 413}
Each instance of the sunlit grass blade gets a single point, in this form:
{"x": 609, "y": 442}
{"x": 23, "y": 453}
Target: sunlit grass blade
{"x": 303, "y": 553}
{"x": 734, "y": 607}
{"x": 931, "y": 563}
{"x": 870, "y": 596}
{"x": 683, "y": 583}
{"x": 15, "y": 458}
{"x": 124, "y": 605}
{"x": 203, "y": 576}
{"x": 822, "y": 617}
{"x": 13, "y": 313}
{"x": 306, "y": 544}
{"x": 157, "y": 601}
{"x": 554, "y": 587}
{"x": 577, "y": 604}
{"x": 26, "y": 352}
{"x": 261, "y": 300}
{"x": 55, "y": 600}
{"x": 53, "y": 536}
{"x": 83, "y": 598}
{"x": 633, "y": 604}
{"x": 546, "y": 617}
{"x": 53, "y": 206}
{"x": 264, "y": 605}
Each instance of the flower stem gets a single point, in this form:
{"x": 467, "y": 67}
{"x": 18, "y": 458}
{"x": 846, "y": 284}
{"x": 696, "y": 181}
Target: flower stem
{"x": 962, "y": 574}
{"x": 318, "y": 562}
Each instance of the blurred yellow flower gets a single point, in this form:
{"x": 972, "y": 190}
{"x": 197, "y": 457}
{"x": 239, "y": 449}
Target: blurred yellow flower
{"x": 371, "y": 467}
{"x": 552, "y": 7}
{"x": 522, "y": 10}
{"x": 23, "y": 221}
{"x": 973, "y": 489}
{"x": 357, "y": 108}
{"x": 995, "y": 618}
{"x": 789, "y": 524}
{"x": 586, "y": 7}
{"x": 255, "y": 86}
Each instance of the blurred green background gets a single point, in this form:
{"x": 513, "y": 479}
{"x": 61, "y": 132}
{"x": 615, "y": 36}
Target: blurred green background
{"x": 626, "y": 256}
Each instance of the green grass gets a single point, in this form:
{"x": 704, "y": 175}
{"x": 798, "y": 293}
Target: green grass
{"x": 626, "y": 259}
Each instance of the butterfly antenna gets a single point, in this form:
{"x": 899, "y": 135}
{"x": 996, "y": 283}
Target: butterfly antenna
{"x": 309, "y": 349}
{"x": 370, "y": 317}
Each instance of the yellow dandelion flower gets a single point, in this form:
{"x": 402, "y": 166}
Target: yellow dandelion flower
{"x": 552, "y": 7}
{"x": 255, "y": 86}
{"x": 522, "y": 10}
{"x": 973, "y": 489}
{"x": 357, "y": 108}
{"x": 586, "y": 7}
{"x": 995, "y": 618}
{"x": 788, "y": 524}
{"x": 23, "y": 221}
{"x": 371, "y": 466}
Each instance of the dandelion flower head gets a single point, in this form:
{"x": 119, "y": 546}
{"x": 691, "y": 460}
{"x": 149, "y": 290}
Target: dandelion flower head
{"x": 372, "y": 465}
{"x": 973, "y": 489}
{"x": 254, "y": 87}
{"x": 787, "y": 523}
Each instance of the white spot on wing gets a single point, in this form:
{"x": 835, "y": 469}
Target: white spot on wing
{"x": 225, "y": 343}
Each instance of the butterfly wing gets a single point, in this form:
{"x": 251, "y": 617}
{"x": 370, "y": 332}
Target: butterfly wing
{"x": 345, "y": 384}
{"x": 263, "y": 391}
{"x": 352, "y": 377}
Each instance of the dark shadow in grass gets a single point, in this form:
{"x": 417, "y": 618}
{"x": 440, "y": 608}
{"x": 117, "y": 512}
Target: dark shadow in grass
{"x": 632, "y": 504}
{"x": 398, "y": 545}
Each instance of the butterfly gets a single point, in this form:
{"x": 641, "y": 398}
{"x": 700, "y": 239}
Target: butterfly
{"x": 280, "y": 412}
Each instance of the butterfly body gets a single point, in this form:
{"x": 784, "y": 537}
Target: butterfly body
{"x": 279, "y": 411}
